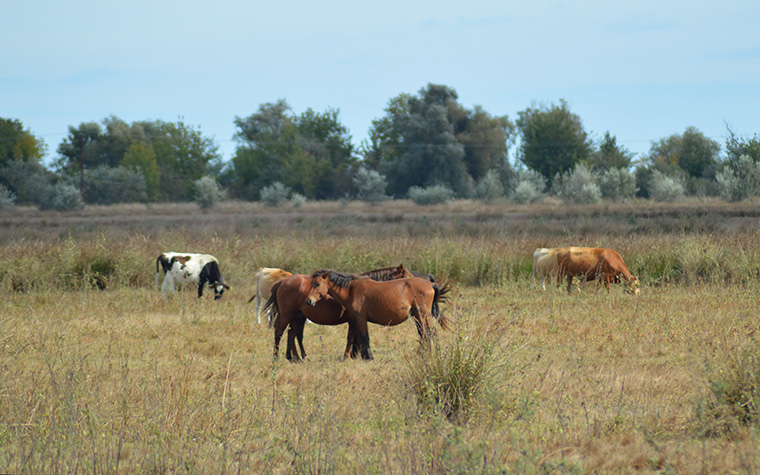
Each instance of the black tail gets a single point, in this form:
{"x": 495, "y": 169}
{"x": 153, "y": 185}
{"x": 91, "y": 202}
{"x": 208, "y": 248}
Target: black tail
{"x": 271, "y": 308}
{"x": 441, "y": 295}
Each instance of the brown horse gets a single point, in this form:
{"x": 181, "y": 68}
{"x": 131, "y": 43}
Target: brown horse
{"x": 288, "y": 308}
{"x": 386, "y": 303}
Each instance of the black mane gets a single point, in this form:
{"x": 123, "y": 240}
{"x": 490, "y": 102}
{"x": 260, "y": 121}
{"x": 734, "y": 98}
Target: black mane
{"x": 337, "y": 278}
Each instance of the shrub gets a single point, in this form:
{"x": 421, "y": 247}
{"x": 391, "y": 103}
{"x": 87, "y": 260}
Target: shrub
{"x": 275, "y": 194}
{"x": 617, "y": 184}
{"x": 740, "y": 181}
{"x": 108, "y": 185}
{"x": 451, "y": 378}
{"x": 665, "y": 188}
{"x": 431, "y": 195}
{"x": 370, "y": 186}
{"x": 578, "y": 186}
{"x": 7, "y": 198}
{"x": 60, "y": 197}
{"x": 735, "y": 391}
{"x": 297, "y": 199}
{"x": 206, "y": 192}
{"x": 490, "y": 187}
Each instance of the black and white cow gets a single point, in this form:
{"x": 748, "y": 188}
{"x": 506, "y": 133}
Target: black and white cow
{"x": 188, "y": 268}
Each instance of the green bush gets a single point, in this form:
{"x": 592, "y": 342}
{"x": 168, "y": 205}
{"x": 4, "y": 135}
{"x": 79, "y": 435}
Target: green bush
{"x": 206, "y": 192}
{"x": 108, "y": 185}
{"x": 578, "y": 186}
{"x": 617, "y": 184}
{"x": 370, "y": 186}
{"x": 431, "y": 195}
{"x": 275, "y": 194}
{"x": 665, "y": 188}
{"x": 740, "y": 181}
{"x": 7, "y": 198}
{"x": 453, "y": 377}
{"x": 734, "y": 399}
{"x": 490, "y": 187}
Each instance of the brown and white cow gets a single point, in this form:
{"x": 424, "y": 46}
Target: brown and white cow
{"x": 190, "y": 268}
{"x": 263, "y": 281}
{"x": 593, "y": 263}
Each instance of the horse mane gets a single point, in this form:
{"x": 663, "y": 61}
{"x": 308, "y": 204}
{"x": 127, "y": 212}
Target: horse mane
{"x": 337, "y": 278}
{"x": 382, "y": 274}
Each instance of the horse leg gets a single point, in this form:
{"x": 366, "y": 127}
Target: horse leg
{"x": 352, "y": 346}
{"x": 362, "y": 335}
{"x": 291, "y": 354}
{"x": 300, "y": 324}
{"x": 279, "y": 329}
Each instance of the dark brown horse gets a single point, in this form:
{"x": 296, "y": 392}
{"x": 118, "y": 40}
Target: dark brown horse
{"x": 385, "y": 303}
{"x": 288, "y": 309}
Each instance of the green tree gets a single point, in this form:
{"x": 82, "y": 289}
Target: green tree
{"x": 610, "y": 155}
{"x": 17, "y": 143}
{"x": 311, "y": 154}
{"x": 80, "y": 150}
{"x": 737, "y": 147}
{"x": 552, "y": 139}
{"x": 430, "y": 139}
{"x": 183, "y": 155}
{"x": 691, "y": 151}
{"x": 141, "y": 156}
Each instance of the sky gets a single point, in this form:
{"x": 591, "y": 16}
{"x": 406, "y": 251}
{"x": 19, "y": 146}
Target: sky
{"x": 641, "y": 70}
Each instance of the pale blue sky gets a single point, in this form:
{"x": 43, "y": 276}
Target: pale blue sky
{"x": 643, "y": 70}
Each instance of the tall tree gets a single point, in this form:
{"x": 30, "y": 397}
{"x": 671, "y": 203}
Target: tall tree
{"x": 311, "y": 154}
{"x": 430, "y": 138}
{"x": 610, "y": 155}
{"x": 80, "y": 150}
{"x": 691, "y": 151}
{"x": 18, "y": 143}
{"x": 552, "y": 139}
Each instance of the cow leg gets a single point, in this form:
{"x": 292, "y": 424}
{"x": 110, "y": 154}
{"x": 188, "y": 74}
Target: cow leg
{"x": 201, "y": 283}
{"x": 569, "y": 283}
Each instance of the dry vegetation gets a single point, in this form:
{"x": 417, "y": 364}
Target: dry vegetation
{"x": 120, "y": 380}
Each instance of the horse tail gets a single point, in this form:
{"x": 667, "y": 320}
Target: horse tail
{"x": 272, "y": 308}
{"x": 445, "y": 290}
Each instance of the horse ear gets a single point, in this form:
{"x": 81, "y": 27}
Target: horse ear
{"x": 401, "y": 266}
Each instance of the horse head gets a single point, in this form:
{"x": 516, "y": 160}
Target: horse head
{"x": 318, "y": 287}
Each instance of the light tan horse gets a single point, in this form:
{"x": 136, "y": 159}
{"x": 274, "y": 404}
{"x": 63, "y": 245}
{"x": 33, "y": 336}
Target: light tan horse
{"x": 385, "y": 303}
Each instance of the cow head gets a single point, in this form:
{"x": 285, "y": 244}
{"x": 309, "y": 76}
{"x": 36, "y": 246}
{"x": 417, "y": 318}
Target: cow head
{"x": 218, "y": 288}
{"x": 632, "y": 285}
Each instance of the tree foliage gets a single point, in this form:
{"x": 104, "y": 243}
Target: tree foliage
{"x": 18, "y": 144}
{"x": 430, "y": 139}
{"x": 311, "y": 154}
{"x": 170, "y": 155}
{"x": 552, "y": 139}
{"x": 691, "y": 151}
{"x": 609, "y": 155}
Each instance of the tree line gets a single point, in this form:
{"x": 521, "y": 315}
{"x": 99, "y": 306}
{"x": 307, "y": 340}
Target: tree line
{"x": 426, "y": 146}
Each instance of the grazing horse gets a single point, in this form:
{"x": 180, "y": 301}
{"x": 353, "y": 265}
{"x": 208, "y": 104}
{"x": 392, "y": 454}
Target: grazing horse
{"x": 386, "y": 303}
{"x": 287, "y": 306}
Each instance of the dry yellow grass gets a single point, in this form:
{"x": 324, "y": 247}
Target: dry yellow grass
{"x": 594, "y": 383}
{"x": 122, "y": 381}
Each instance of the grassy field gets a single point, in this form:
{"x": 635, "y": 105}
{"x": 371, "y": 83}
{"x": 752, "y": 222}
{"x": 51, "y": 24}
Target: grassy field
{"x": 100, "y": 374}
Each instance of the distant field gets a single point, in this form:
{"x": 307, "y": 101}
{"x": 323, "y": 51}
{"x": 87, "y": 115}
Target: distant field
{"x": 119, "y": 380}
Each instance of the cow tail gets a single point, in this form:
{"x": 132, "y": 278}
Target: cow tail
{"x": 272, "y": 307}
